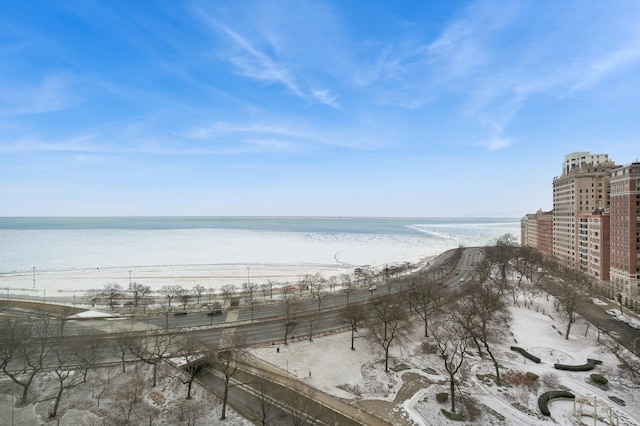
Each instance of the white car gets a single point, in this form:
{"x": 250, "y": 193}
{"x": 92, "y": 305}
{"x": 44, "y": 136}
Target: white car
{"x": 613, "y": 312}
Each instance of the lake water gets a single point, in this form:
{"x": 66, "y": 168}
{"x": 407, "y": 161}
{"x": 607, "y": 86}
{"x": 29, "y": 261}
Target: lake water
{"x": 80, "y": 252}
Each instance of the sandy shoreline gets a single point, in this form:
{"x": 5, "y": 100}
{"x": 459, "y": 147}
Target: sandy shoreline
{"x": 59, "y": 286}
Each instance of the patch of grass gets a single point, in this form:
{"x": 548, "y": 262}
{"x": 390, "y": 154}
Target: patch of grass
{"x": 431, "y": 371}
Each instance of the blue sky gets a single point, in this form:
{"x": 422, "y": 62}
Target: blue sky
{"x": 312, "y": 108}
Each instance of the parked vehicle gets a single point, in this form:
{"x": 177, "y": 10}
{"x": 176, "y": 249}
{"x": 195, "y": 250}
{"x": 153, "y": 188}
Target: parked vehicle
{"x": 214, "y": 312}
{"x": 180, "y": 313}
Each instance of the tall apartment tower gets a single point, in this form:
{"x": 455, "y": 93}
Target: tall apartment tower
{"x": 536, "y": 230}
{"x": 582, "y": 189}
{"x": 625, "y": 233}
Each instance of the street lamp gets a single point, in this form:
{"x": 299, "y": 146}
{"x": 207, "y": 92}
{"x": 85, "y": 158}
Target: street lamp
{"x": 129, "y": 279}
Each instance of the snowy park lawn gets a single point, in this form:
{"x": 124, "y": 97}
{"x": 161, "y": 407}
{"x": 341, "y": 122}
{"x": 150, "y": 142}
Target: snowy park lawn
{"x": 407, "y": 397}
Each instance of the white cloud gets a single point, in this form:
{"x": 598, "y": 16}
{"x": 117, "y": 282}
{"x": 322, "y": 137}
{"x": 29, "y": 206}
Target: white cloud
{"x": 51, "y": 93}
{"x": 325, "y": 97}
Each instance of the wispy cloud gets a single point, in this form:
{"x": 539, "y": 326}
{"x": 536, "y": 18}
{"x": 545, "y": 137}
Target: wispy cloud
{"x": 258, "y": 58}
{"x": 325, "y": 97}
{"x": 51, "y": 93}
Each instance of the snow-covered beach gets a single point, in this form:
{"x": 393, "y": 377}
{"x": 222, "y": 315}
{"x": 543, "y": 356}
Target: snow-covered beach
{"x": 60, "y": 258}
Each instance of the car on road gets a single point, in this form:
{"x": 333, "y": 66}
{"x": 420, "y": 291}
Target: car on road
{"x": 462, "y": 280}
{"x": 291, "y": 323}
{"x": 214, "y": 312}
{"x": 180, "y": 313}
{"x": 373, "y": 287}
{"x": 613, "y": 312}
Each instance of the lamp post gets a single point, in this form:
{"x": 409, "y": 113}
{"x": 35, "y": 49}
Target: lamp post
{"x": 34, "y": 276}
{"x": 129, "y": 279}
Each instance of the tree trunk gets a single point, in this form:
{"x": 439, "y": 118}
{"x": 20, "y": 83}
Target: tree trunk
{"x": 155, "y": 374}
{"x": 386, "y": 359}
{"x": 452, "y": 389}
{"x": 189, "y": 388}
{"x": 25, "y": 388}
{"x": 54, "y": 413}
{"x": 224, "y": 400}
{"x": 496, "y": 365}
{"x": 569, "y": 324}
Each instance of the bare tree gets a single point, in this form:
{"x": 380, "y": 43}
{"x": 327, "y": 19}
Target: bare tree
{"x": 290, "y": 317}
{"x": 227, "y": 292}
{"x": 139, "y": 292}
{"x": 194, "y": 357}
{"x": 387, "y": 324}
{"x": 63, "y": 359}
{"x": 88, "y": 354}
{"x": 63, "y": 313}
{"x": 152, "y": 350}
{"x": 483, "y": 315}
{"x": 311, "y": 321}
{"x": 166, "y": 311}
{"x": 629, "y": 362}
{"x": 271, "y": 284}
{"x": 348, "y": 286}
{"x": 227, "y": 359}
{"x": 129, "y": 395}
{"x": 123, "y": 343}
{"x": 424, "y": 297}
{"x": 500, "y": 256}
{"x": 183, "y": 296}
{"x": 452, "y": 342}
{"x": 572, "y": 291}
{"x": 250, "y": 288}
{"x": 112, "y": 292}
{"x": 333, "y": 283}
{"x": 170, "y": 292}
{"x": 24, "y": 348}
{"x": 198, "y": 290}
{"x": 353, "y": 315}
{"x": 320, "y": 294}
{"x": 311, "y": 280}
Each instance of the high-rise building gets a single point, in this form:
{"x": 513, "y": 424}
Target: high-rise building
{"x": 625, "y": 233}
{"x": 582, "y": 189}
{"x": 575, "y": 160}
{"x": 596, "y": 223}
{"x": 593, "y": 244}
{"x": 537, "y": 231}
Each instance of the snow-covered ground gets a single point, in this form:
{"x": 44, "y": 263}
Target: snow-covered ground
{"x": 408, "y": 396}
